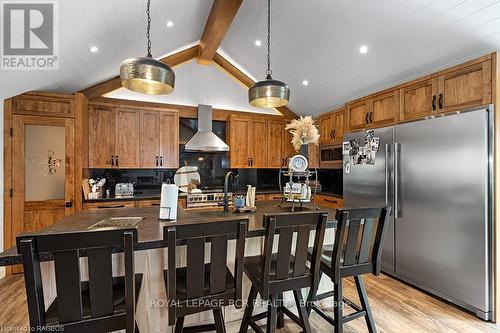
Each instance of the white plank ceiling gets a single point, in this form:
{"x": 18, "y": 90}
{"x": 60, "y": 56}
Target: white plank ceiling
{"x": 316, "y": 41}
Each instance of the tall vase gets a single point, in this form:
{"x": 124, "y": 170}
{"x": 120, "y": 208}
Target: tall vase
{"x": 304, "y": 150}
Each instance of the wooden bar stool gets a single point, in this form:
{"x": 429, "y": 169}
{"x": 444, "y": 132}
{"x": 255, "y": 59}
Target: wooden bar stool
{"x": 357, "y": 249}
{"x": 103, "y": 303}
{"x": 201, "y": 286}
{"x": 271, "y": 274}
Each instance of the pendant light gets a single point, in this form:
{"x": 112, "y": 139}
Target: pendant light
{"x": 147, "y": 75}
{"x": 269, "y": 93}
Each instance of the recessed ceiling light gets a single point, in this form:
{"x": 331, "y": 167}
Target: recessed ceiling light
{"x": 258, "y": 43}
{"x": 363, "y": 49}
{"x": 305, "y": 83}
{"x": 170, "y": 24}
{"x": 93, "y": 49}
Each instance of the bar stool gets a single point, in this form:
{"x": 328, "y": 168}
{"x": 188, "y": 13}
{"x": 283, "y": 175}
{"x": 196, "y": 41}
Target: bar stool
{"x": 201, "y": 286}
{"x": 272, "y": 274}
{"x": 103, "y": 303}
{"x": 357, "y": 249}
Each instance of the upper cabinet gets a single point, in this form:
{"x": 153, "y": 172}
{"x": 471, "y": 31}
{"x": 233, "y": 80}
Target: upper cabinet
{"x": 332, "y": 127}
{"x": 358, "y": 114}
{"x": 132, "y": 138}
{"x": 418, "y": 100}
{"x": 374, "y": 111}
{"x": 466, "y": 87}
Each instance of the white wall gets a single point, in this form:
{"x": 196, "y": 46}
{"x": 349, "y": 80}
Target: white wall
{"x": 2, "y": 270}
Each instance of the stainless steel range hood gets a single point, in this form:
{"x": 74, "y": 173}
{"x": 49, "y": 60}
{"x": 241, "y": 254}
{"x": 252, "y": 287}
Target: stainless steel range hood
{"x": 205, "y": 139}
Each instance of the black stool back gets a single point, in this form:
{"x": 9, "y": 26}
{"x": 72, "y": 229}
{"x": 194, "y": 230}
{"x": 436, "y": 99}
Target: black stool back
{"x": 92, "y": 306}
{"x": 204, "y": 286}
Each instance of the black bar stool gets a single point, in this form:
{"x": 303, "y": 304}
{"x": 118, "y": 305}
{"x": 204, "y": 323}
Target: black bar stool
{"x": 271, "y": 274}
{"x": 102, "y": 304}
{"x": 357, "y": 249}
{"x": 201, "y": 286}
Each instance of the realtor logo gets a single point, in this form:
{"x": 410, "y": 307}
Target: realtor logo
{"x": 29, "y": 35}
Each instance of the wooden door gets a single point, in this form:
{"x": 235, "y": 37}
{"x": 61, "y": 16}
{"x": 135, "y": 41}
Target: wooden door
{"x": 385, "y": 109}
{"x": 169, "y": 144}
{"x": 149, "y": 149}
{"x": 258, "y": 143}
{"x": 338, "y": 126}
{"x": 275, "y": 143}
{"x": 127, "y": 138}
{"x": 326, "y": 127}
{"x": 418, "y": 100}
{"x": 43, "y": 183}
{"x": 358, "y": 114}
{"x": 465, "y": 88}
{"x": 101, "y": 136}
{"x": 239, "y": 154}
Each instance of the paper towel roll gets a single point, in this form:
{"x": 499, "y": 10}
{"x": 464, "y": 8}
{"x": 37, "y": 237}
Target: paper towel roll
{"x": 168, "y": 202}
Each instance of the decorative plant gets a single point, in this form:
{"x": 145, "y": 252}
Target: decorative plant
{"x": 304, "y": 132}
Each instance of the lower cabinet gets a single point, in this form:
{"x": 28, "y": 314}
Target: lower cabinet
{"x": 108, "y": 205}
{"x": 328, "y": 201}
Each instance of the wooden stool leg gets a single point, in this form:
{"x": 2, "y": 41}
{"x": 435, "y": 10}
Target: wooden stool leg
{"x": 338, "y": 307}
{"x": 281, "y": 315}
{"x": 272, "y": 314}
{"x": 247, "y": 316}
{"x": 219, "y": 321}
{"x": 179, "y": 324}
{"x": 363, "y": 298}
{"x": 301, "y": 308}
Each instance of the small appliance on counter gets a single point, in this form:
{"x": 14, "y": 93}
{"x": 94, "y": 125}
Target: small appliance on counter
{"x": 124, "y": 190}
{"x": 168, "y": 202}
{"x": 207, "y": 200}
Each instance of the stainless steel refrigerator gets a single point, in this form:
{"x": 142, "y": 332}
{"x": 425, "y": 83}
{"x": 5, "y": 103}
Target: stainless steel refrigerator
{"x": 437, "y": 175}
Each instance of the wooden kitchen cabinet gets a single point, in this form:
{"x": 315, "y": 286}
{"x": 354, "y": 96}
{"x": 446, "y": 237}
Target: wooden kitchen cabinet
{"x": 275, "y": 143}
{"x": 328, "y": 201}
{"x": 239, "y": 135}
{"x": 465, "y": 87}
{"x": 108, "y": 205}
{"x": 101, "y": 136}
{"x": 385, "y": 109}
{"x": 127, "y": 138}
{"x": 150, "y": 139}
{"x": 147, "y": 203}
{"x": 358, "y": 114}
{"x": 258, "y": 143}
{"x": 169, "y": 140}
{"x": 332, "y": 127}
{"x": 339, "y": 126}
{"x": 418, "y": 100}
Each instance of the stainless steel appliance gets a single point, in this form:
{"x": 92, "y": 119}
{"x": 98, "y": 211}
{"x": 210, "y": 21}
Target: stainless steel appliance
{"x": 330, "y": 157}
{"x": 207, "y": 200}
{"x": 124, "y": 190}
{"x": 437, "y": 175}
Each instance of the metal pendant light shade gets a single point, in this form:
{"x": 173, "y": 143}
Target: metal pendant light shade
{"x": 269, "y": 93}
{"x": 147, "y": 75}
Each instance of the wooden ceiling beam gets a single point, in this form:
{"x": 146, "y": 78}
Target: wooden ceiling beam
{"x": 218, "y": 22}
{"x": 115, "y": 82}
{"x": 245, "y": 80}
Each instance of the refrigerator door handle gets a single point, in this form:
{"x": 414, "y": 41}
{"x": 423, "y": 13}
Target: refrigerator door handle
{"x": 397, "y": 150}
{"x": 387, "y": 151}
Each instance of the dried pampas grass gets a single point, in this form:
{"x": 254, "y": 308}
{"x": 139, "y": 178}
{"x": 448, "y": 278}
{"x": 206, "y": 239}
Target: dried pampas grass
{"x": 304, "y": 132}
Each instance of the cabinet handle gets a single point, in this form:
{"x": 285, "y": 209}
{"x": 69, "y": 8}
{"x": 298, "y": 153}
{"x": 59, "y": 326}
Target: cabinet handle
{"x": 116, "y": 160}
{"x": 248, "y": 161}
{"x": 117, "y": 206}
{"x": 161, "y": 160}
{"x": 440, "y": 101}
{"x": 112, "y": 160}
{"x": 156, "y": 160}
{"x": 332, "y": 201}
{"x": 251, "y": 161}
{"x": 434, "y": 103}
{"x": 371, "y": 117}
{"x": 334, "y": 134}
{"x": 366, "y": 118}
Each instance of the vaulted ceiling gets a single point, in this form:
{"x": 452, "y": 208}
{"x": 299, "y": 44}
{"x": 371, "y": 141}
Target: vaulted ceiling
{"x": 316, "y": 41}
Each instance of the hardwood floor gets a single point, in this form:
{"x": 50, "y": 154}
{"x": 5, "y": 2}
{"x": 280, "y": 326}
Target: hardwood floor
{"x": 396, "y": 307}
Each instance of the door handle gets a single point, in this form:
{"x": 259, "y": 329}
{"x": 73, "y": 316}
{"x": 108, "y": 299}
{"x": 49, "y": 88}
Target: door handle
{"x": 116, "y": 206}
{"x": 68, "y": 204}
{"x": 366, "y": 118}
{"x": 116, "y": 159}
{"x": 161, "y": 160}
{"x": 371, "y": 117}
{"x": 334, "y": 134}
{"x": 387, "y": 150}
{"x": 434, "y": 103}
{"x": 251, "y": 161}
{"x": 156, "y": 160}
{"x": 440, "y": 101}
{"x": 248, "y": 161}
{"x": 397, "y": 151}
{"x": 112, "y": 160}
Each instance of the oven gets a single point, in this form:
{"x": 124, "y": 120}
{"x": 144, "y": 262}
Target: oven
{"x": 330, "y": 157}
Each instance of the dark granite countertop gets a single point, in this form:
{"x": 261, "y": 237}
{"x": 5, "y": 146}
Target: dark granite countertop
{"x": 150, "y": 229}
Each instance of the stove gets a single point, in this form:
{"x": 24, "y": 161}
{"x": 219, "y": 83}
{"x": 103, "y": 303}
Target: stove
{"x": 207, "y": 199}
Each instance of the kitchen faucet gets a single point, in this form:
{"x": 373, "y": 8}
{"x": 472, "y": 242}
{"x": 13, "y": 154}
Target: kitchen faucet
{"x": 226, "y": 189}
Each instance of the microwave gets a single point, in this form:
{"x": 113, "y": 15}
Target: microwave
{"x": 330, "y": 157}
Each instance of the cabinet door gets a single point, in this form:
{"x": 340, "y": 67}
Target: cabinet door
{"x": 150, "y": 139}
{"x": 127, "y": 137}
{"x": 326, "y": 127}
{"x": 275, "y": 143}
{"x": 465, "y": 88}
{"x": 101, "y": 136}
{"x": 418, "y": 100}
{"x": 258, "y": 143}
{"x": 288, "y": 149}
{"x": 339, "y": 126}
{"x": 358, "y": 113}
{"x": 238, "y": 141}
{"x": 169, "y": 143}
{"x": 385, "y": 109}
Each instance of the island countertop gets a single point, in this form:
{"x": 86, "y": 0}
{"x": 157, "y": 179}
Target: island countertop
{"x": 150, "y": 229}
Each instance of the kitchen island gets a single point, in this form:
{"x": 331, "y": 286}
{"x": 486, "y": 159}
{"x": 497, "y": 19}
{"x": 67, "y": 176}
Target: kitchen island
{"x": 151, "y": 254}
